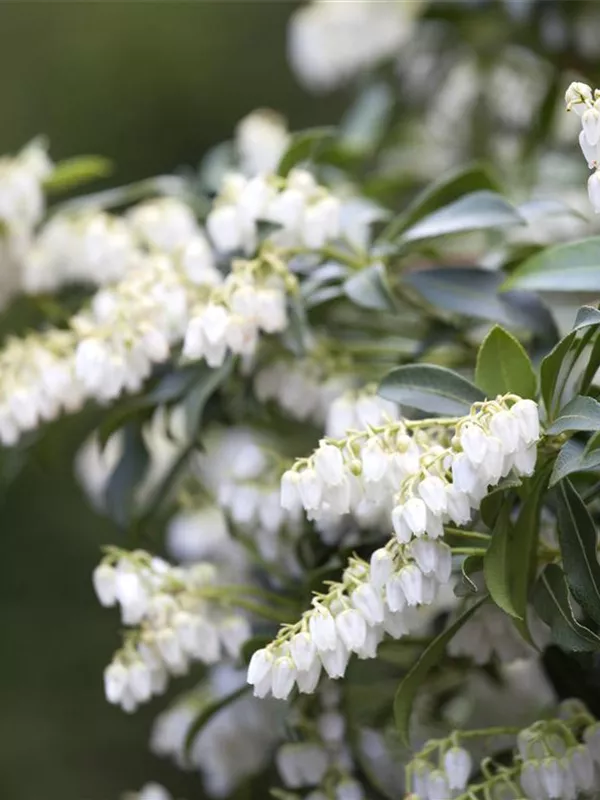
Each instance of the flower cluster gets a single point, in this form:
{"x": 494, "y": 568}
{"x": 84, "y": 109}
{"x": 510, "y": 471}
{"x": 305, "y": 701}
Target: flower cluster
{"x": 372, "y": 599}
{"x": 252, "y": 299}
{"x": 586, "y": 104}
{"x": 176, "y": 615}
{"x": 234, "y": 744}
{"x": 21, "y": 188}
{"x": 242, "y": 469}
{"x": 305, "y": 214}
{"x": 553, "y": 759}
{"x": 321, "y": 758}
{"x": 88, "y": 247}
{"x": 421, "y": 473}
{"x": 304, "y": 388}
{"x": 330, "y": 43}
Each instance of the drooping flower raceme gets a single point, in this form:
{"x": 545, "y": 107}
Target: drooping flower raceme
{"x": 305, "y": 214}
{"x": 422, "y": 473}
{"x": 235, "y": 743}
{"x": 586, "y": 104}
{"x": 176, "y": 615}
{"x": 553, "y": 759}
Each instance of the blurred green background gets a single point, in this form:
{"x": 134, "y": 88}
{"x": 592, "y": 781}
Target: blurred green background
{"x": 152, "y": 86}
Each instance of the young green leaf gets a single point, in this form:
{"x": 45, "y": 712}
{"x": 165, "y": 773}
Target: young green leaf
{"x": 509, "y": 562}
{"x": 577, "y": 537}
{"x": 573, "y": 267}
{"x": 74, "y": 172}
{"x": 127, "y": 475}
{"x": 550, "y": 599}
{"x": 477, "y": 211}
{"x": 405, "y": 695}
{"x": 433, "y": 389}
{"x": 369, "y": 288}
{"x": 207, "y": 713}
{"x": 503, "y": 366}
{"x": 580, "y": 414}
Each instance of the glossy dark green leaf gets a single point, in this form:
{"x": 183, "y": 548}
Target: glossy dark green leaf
{"x": 550, "y": 599}
{"x": 369, "y": 288}
{"x": 573, "y": 267}
{"x": 580, "y": 414}
{"x": 207, "y": 713}
{"x": 74, "y": 172}
{"x": 119, "y": 496}
{"x": 509, "y": 562}
{"x": 414, "y": 678}
{"x": 491, "y": 504}
{"x": 305, "y": 146}
{"x": 440, "y": 193}
{"x": 573, "y": 458}
{"x": 477, "y": 211}
{"x": 430, "y": 388}
{"x": 503, "y": 366}
{"x": 578, "y": 541}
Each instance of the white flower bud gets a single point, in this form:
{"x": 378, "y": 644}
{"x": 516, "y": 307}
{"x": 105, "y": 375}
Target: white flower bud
{"x": 527, "y": 414}
{"x": 332, "y": 727}
{"x": 140, "y": 681}
{"x": 290, "y": 493}
{"x": 437, "y": 786}
{"x": 577, "y": 96}
{"x": 411, "y": 580}
{"x": 433, "y": 491}
{"x": 329, "y": 464}
{"x": 395, "y": 623}
{"x": 400, "y": 525}
{"x": 303, "y": 651}
{"x": 283, "y": 677}
{"x": 394, "y": 593}
{"x": 310, "y": 488}
{"x": 382, "y": 566}
{"x": 458, "y": 506}
{"x": 223, "y": 226}
{"x": 116, "y": 676}
{"x": 415, "y": 515}
{"x": 590, "y": 121}
{"x": 457, "y": 764}
{"x": 474, "y": 443}
{"x": 322, "y": 629}
{"x": 308, "y": 680}
{"x": 335, "y": 661}
{"x": 552, "y": 777}
{"x": 505, "y": 427}
{"x": 349, "y": 789}
{"x": 104, "y": 580}
{"x": 260, "y": 666}
{"x": 582, "y": 767}
{"x": 375, "y": 461}
{"x": 352, "y": 628}
{"x": 368, "y": 601}
{"x": 590, "y": 151}
{"x": 594, "y": 190}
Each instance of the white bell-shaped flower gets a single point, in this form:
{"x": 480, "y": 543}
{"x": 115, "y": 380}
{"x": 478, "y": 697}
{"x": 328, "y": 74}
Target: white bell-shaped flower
{"x": 433, "y": 492}
{"x": 394, "y": 593}
{"x": 381, "y": 567}
{"x": 283, "y": 676}
{"x": 411, "y": 580}
{"x": 105, "y": 584}
{"x": 352, "y": 628}
{"x": 457, "y": 765}
{"x": 594, "y": 191}
{"x": 368, "y": 602}
{"x": 308, "y": 680}
{"x": 322, "y": 629}
{"x": 329, "y": 464}
{"x": 590, "y": 121}
{"x": 303, "y": 650}
{"x": 260, "y": 666}
{"x": 335, "y": 661}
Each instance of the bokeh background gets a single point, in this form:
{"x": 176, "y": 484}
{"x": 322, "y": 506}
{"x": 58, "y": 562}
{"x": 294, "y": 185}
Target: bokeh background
{"x": 151, "y": 86}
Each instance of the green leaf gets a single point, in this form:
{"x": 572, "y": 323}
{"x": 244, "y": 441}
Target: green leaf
{"x": 586, "y": 317}
{"x": 573, "y": 458}
{"x": 580, "y": 414}
{"x": 430, "y": 388}
{"x": 74, "y": 172}
{"x": 573, "y": 267}
{"x": 208, "y": 713}
{"x": 119, "y": 495}
{"x": 305, "y": 146}
{"x": 476, "y": 211}
{"x": 558, "y": 362}
{"x": 509, "y": 562}
{"x": 370, "y": 289}
{"x": 550, "y": 599}
{"x": 410, "y": 684}
{"x": 365, "y": 123}
{"x": 449, "y": 188}
{"x": 206, "y": 383}
{"x": 503, "y": 366}
{"x": 577, "y": 537}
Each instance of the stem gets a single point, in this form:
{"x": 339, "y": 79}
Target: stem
{"x": 469, "y": 551}
{"x": 468, "y": 534}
